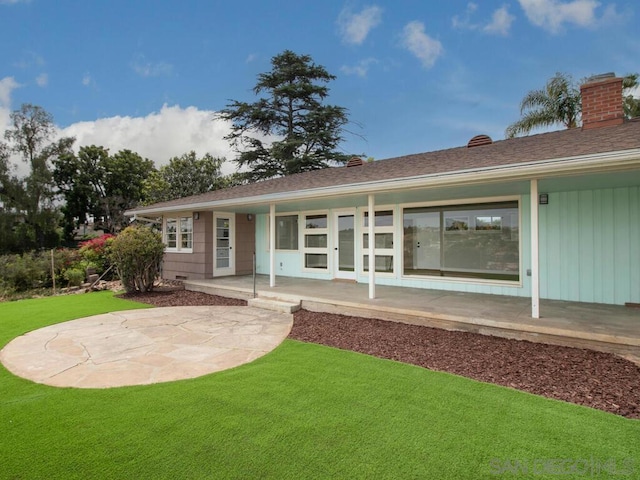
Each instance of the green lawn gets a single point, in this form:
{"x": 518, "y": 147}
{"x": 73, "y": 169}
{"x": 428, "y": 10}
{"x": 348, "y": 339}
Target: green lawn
{"x": 302, "y": 411}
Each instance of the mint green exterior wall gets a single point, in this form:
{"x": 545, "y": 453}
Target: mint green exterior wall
{"x": 590, "y": 246}
{"x": 589, "y": 250}
{"x": 290, "y": 263}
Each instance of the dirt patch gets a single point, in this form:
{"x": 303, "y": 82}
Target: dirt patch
{"x": 585, "y": 377}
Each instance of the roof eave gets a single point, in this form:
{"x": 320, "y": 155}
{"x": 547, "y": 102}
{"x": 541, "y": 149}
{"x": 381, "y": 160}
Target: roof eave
{"x": 610, "y": 161}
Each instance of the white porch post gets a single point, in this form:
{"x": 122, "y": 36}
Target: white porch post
{"x": 372, "y": 248}
{"x": 535, "y": 258}
{"x": 272, "y": 245}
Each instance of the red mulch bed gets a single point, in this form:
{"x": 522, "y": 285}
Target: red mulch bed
{"x": 181, "y": 298}
{"x": 594, "y": 379}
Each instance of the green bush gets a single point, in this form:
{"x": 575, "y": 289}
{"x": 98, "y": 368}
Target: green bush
{"x": 32, "y": 270}
{"x": 75, "y": 276}
{"x": 63, "y": 259}
{"x": 24, "y": 272}
{"x": 137, "y": 254}
{"x": 94, "y": 252}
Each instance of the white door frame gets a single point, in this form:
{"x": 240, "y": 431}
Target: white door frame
{"x": 231, "y": 269}
{"x": 337, "y": 273}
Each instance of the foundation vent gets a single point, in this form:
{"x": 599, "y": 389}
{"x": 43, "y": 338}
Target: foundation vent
{"x": 479, "y": 140}
{"x": 355, "y": 162}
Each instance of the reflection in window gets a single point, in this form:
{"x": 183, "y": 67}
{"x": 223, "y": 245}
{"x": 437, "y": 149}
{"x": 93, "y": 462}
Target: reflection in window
{"x": 315, "y": 221}
{"x": 316, "y": 236}
{"x": 287, "y": 232}
{"x": 178, "y": 233}
{"x": 384, "y": 263}
{"x": 383, "y": 235}
{"x": 479, "y": 241}
{"x": 171, "y": 232}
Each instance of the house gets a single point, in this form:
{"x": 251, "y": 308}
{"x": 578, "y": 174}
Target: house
{"x": 552, "y": 216}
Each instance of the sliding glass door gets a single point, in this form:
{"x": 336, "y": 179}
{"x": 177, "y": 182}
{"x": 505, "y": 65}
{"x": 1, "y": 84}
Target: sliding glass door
{"x": 478, "y": 241}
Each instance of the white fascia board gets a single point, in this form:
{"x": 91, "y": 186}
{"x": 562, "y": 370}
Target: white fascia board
{"x": 602, "y": 162}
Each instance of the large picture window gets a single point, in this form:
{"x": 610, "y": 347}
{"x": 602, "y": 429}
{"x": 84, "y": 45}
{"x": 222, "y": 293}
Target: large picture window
{"x": 477, "y": 241}
{"x": 287, "y": 232}
{"x": 178, "y": 234}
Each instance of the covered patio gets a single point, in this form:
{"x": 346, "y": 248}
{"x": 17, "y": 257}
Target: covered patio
{"x": 609, "y": 328}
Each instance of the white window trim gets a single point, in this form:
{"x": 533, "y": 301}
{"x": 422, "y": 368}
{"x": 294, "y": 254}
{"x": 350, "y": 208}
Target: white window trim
{"x": 177, "y": 217}
{"x": 268, "y": 228}
{"x": 302, "y": 223}
{"x": 393, "y": 252}
{"x": 469, "y": 281}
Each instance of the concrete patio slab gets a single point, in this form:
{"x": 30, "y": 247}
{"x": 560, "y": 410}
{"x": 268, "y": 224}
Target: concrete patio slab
{"x": 608, "y": 328}
{"x": 140, "y": 347}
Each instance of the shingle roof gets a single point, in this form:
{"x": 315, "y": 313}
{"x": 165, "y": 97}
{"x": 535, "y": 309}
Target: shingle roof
{"x": 546, "y": 146}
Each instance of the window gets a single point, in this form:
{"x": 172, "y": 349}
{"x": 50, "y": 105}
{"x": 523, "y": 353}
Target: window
{"x": 287, "y": 232}
{"x": 171, "y": 233}
{"x": 178, "y": 234}
{"x": 477, "y": 241}
{"x": 315, "y": 242}
{"x": 186, "y": 232}
{"x": 383, "y": 238}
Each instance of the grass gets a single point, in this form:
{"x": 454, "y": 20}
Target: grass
{"x": 302, "y": 411}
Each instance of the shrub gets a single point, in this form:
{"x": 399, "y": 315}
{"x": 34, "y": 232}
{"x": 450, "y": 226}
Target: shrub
{"x": 63, "y": 259}
{"x": 94, "y": 252}
{"x": 75, "y": 276}
{"x": 32, "y": 270}
{"x": 137, "y": 254}
{"x": 24, "y": 272}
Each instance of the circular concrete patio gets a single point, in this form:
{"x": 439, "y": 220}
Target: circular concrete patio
{"x": 139, "y": 347}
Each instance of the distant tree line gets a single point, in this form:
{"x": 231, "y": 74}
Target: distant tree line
{"x": 291, "y": 129}
{"x": 62, "y": 188}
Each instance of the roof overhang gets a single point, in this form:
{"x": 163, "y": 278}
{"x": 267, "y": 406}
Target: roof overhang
{"x": 558, "y": 167}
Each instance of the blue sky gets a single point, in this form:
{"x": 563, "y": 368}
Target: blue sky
{"x": 415, "y": 75}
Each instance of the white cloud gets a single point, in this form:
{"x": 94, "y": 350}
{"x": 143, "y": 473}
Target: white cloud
{"x": 145, "y": 68}
{"x": 354, "y": 27}
{"x": 87, "y": 80}
{"x": 7, "y": 85}
{"x": 361, "y": 68}
{"x": 42, "y": 80}
{"x": 420, "y": 44}
{"x": 251, "y": 57}
{"x": 552, "y": 14}
{"x": 465, "y": 20}
{"x": 13, "y": 2}
{"x": 500, "y": 23}
{"x": 158, "y": 136}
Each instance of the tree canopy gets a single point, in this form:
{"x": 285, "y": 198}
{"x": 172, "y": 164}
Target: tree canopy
{"x": 184, "y": 176}
{"x": 290, "y": 129}
{"x": 28, "y": 209}
{"x": 102, "y": 185}
{"x": 560, "y": 103}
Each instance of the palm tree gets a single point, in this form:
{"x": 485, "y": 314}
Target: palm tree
{"x": 558, "y": 103}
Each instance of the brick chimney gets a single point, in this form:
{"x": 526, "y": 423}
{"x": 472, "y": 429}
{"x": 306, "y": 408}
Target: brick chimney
{"x": 602, "y": 101}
